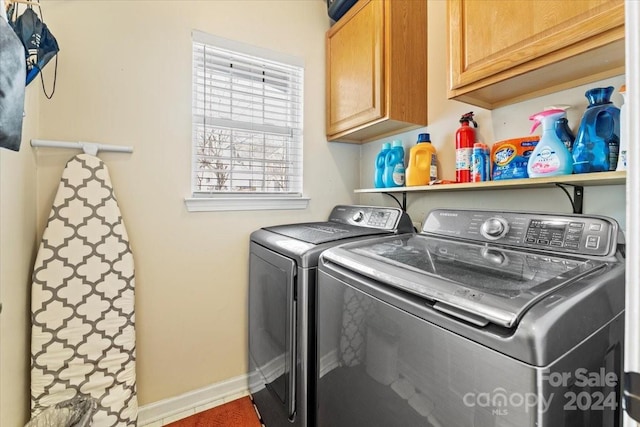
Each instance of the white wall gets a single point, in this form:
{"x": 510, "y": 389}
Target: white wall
{"x": 18, "y": 197}
{"x": 124, "y": 77}
{"x": 496, "y": 125}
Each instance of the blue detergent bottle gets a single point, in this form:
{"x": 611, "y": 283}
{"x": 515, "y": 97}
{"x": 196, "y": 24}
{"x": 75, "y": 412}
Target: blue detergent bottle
{"x": 378, "y": 182}
{"x": 550, "y": 157}
{"x": 598, "y": 141}
{"x": 394, "y": 172}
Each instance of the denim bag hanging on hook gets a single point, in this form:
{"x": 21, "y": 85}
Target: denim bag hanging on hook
{"x": 12, "y": 75}
{"x": 39, "y": 44}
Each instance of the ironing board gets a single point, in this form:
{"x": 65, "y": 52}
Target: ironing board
{"x": 82, "y": 306}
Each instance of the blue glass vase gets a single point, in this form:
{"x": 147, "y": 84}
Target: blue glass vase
{"x": 598, "y": 141}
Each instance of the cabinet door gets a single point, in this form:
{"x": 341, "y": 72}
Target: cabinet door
{"x": 355, "y": 79}
{"x": 491, "y": 41}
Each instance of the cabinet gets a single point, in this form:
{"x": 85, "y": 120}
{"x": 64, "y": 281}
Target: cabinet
{"x": 376, "y": 70}
{"x": 506, "y": 51}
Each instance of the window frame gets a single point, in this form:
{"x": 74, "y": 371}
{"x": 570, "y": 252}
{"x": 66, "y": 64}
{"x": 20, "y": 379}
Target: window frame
{"x": 240, "y": 200}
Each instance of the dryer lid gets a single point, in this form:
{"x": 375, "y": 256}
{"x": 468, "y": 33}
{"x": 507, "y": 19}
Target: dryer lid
{"x": 323, "y": 232}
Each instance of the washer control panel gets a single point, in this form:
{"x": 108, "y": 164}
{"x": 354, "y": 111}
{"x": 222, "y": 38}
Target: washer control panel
{"x": 579, "y": 234}
{"x": 370, "y": 216}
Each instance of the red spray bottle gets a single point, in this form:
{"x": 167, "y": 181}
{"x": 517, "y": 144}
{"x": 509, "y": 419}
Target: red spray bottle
{"x": 465, "y": 138}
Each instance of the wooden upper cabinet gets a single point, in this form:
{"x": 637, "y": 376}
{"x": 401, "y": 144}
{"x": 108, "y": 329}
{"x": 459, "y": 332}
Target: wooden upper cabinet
{"x": 506, "y": 51}
{"x": 376, "y": 70}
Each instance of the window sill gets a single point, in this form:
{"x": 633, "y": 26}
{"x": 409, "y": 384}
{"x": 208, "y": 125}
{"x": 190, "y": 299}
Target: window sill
{"x": 254, "y": 203}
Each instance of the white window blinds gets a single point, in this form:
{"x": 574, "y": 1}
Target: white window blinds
{"x": 247, "y": 119}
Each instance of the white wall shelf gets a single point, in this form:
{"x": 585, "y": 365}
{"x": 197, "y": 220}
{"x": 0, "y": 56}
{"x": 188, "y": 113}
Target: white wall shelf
{"x": 577, "y": 181}
{"x": 586, "y": 179}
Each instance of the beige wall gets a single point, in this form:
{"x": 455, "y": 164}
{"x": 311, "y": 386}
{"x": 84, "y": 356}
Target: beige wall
{"x": 124, "y": 77}
{"x": 17, "y": 252}
{"x": 495, "y": 125}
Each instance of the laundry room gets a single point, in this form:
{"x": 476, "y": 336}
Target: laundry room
{"x": 125, "y": 114}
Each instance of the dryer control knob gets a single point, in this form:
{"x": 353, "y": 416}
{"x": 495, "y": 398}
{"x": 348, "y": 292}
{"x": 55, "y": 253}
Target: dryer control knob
{"x": 358, "y": 216}
{"x": 494, "y": 228}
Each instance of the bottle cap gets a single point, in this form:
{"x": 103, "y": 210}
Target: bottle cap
{"x": 396, "y": 143}
{"x": 424, "y": 137}
{"x": 386, "y": 146}
{"x": 480, "y": 145}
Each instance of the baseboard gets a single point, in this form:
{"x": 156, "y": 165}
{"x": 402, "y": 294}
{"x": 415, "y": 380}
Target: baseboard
{"x": 194, "y": 401}
{"x": 329, "y": 362}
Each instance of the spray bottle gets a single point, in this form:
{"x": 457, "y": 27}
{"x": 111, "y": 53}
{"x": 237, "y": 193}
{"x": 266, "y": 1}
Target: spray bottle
{"x": 550, "y": 157}
{"x": 465, "y": 138}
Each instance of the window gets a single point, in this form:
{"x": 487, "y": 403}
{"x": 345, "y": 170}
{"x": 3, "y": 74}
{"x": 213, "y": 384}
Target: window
{"x": 247, "y": 126}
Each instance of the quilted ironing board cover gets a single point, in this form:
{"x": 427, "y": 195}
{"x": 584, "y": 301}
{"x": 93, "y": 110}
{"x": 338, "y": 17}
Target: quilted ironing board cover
{"x": 82, "y": 307}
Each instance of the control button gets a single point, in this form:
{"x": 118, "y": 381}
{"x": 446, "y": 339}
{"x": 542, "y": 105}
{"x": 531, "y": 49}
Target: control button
{"x": 576, "y": 224}
{"x": 530, "y": 240}
{"x": 543, "y": 241}
{"x": 494, "y": 228}
{"x": 358, "y": 216}
{"x": 571, "y": 245}
{"x": 592, "y": 242}
{"x": 595, "y": 227}
{"x": 556, "y": 243}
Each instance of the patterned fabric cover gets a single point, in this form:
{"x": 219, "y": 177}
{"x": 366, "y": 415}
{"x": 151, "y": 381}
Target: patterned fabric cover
{"x": 83, "y": 336}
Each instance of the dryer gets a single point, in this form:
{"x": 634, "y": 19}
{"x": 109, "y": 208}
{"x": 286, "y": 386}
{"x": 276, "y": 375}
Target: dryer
{"x": 282, "y": 285}
{"x": 483, "y": 319}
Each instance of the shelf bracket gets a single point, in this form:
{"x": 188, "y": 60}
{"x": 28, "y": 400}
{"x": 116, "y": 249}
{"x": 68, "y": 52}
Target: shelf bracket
{"x": 402, "y": 205}
{"x": 577, "y": 199}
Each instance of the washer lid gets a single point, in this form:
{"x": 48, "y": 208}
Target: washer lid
{"x": 323, "y": 232}
{"x": 476, "y": 282}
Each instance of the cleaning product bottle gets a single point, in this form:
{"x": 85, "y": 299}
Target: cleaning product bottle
{"x": 423, "y": 164}
{"x": 380, "y": 159}
{"x": 394, "y": 166}
{"x": 598, "y": 141}
{"x": 465, "y": 138}
{"x": 480, "y": 160}
{"x": 550, "y": 157}
{"x": 624, "y": 136}
{"x": 564, "y": 132}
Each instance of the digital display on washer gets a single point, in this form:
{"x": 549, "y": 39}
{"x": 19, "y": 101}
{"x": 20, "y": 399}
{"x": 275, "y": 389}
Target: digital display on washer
{"x": 554, "y": 233}
{"x": 551, "y": 225}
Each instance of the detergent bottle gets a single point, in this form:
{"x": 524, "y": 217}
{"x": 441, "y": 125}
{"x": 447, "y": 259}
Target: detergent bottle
{"x": 465, "y": 138}
{"x": 562, "y": 127}
{"x": 624, "y": 136}
{"x": 378, "y": 182}
{"x": 598, "y": 141}
{"x": 394, "y": 173}
{"x": 480, "y": 162}
{"x": 564, "y": 132}
{"x": 550, "y": 157}
{"x": 422, "y": 167}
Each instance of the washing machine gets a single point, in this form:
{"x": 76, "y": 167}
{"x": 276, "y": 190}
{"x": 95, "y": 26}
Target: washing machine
{"x": 482, "y": 319}
{"x": 282, "y": 285}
